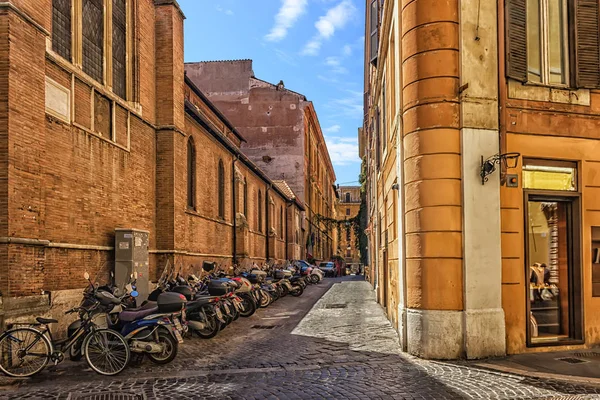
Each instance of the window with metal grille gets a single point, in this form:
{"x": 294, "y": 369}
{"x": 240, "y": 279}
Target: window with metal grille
{"x": 93, "y": 38}
{"x": 191, "y": 178}
{"x": 221, "y": 190}
{"x": 61, "y": 28}
{"x": 119, "y": 47}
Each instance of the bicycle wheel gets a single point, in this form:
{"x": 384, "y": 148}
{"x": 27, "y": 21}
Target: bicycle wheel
{"x": 106, "y": 351}
{"x": 24, "y": 352}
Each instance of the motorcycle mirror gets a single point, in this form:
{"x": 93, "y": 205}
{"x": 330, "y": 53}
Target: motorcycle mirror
{"x": 134, "y": 293}
{"x": 86, "y": 276}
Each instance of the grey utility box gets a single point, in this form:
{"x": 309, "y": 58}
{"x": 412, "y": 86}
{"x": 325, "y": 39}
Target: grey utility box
{"x": 131, "y": 255}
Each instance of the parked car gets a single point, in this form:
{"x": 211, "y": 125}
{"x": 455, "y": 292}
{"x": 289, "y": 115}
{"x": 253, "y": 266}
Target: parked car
{"x": 328, "y": 268}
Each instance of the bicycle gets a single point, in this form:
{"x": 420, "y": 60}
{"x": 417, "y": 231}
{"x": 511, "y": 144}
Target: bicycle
{"x": 26, "y": 350}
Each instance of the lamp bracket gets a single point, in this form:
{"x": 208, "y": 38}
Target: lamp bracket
{"x": 488, "y": 166}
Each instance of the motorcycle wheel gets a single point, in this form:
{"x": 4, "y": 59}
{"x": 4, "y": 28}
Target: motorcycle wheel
{"x": 249, "y": 307}
{"x": 170, "y": 348}
{"x": 235, "y": 311}
{"x": 314, "y": 278}
{"x": 265, "y": 299}
{"x": 284, "y": 290}
{"x": 297, "y": 291}
{"x": 213, "y": 325}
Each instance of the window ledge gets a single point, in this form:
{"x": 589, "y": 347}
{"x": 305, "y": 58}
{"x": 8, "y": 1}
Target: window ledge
{"x": 517, "y": 90}
{"x": 134, "y": 108}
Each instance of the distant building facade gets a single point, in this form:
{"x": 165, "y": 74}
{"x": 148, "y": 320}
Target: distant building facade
{"x": 347, "y": 208}
{"x": 283, "y": 137}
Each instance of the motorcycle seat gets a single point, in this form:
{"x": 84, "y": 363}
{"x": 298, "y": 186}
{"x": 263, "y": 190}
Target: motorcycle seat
{"x": 128, "y": 316}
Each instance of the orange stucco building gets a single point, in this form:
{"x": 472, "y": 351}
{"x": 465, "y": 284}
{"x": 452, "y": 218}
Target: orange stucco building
{"x": 480, "y": 138}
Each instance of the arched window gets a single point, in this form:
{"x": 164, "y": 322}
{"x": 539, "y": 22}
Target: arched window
{"x": 191, "y": 174}
{"x": 245, "y": 197}
{"x": 347, "y": 197}
{"x": 259, "y": 205}
{"x": 221, "y": 176}
{"x": 281, "y": 222}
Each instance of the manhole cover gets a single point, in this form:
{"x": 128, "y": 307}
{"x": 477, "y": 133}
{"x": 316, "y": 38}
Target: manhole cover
{"x": 265, "y": 326}
{"x": 106, "y": 396}
{"x": 336, "y": 306}
{"x": 587, "y": 354}
{"x": 572, "y": 360}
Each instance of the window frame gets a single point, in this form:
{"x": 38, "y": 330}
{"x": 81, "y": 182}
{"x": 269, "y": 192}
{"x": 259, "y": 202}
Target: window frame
{"x": 544, "y": 33}
{"x": 76, "y": 56}
{"x": 191, "y": 174}
{"x": 221, "y": 189}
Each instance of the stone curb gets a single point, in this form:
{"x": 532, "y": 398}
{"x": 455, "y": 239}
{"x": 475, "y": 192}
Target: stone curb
{"x": 540, "y": 375}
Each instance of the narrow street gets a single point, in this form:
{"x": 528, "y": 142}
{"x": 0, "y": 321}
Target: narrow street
{"x": 334, "y": 342}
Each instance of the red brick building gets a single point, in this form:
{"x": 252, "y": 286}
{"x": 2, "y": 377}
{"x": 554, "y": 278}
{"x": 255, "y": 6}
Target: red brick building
{"x": 283, "y": 137}
{"x": 99, "y": 129}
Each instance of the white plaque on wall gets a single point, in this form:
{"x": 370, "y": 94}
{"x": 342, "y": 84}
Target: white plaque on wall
{"x": 58, "y": 100}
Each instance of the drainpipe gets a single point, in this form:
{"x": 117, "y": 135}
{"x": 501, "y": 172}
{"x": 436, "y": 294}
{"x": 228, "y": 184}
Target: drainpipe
{"x": 267, "y": 204}
{"x": 234, "y": 201}
{"x": 501, "y": 90}
{"x": 287, "y": 233}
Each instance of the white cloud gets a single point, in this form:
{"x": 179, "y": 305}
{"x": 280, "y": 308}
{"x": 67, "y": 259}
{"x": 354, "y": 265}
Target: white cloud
{"x": 224, "y": 10}
{"x": 332, "y": 129}
{"x": 350, "y": 106}
{"x": 285, "y": 57}
{"x": 347, "y": 50}
{"x": 287, "y": 16}
{"x": 335, "y": 18}
{"x": 342, "y": 150}
{"x": 332, "y": 61}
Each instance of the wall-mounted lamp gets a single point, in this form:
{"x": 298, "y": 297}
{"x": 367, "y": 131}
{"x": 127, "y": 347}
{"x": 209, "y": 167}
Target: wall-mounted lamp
{"x": 488, "y": 166}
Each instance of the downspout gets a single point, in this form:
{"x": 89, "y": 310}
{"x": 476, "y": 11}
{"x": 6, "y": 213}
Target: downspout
{"x": 287, "y": 233}
{"x": 267, "y": 230}
{"x": 234, "y": 201}
{"x": 501, "y": 87}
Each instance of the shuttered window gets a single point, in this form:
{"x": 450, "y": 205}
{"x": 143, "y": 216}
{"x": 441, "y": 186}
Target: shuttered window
{"x": 373, "y": 28}
{"x": 93, "y": 38}
{"x": 61, "y": 28}
{"x": 539, "y": 42}
{"x": 119, "y": 47}
{"x": 587, "y": 73}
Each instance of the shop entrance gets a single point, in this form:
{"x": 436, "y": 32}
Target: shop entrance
{"x": 553, "y": 256}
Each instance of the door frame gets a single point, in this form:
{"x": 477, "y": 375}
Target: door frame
{"x": 575, "y": 252}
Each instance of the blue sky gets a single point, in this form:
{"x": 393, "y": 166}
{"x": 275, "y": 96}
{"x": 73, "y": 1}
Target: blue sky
{"x": 314, "y": 46}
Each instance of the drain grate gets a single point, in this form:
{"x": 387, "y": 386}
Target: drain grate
{"x": 265, "y": 326}
{"x": 572, "y": 360}
{"x": 106, "y": 396}
{"x": 587, "y": 354}
{"x": 336, "y": 306}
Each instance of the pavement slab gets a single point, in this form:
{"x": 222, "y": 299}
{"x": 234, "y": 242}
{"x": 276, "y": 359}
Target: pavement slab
{"x": 333, "y": 342}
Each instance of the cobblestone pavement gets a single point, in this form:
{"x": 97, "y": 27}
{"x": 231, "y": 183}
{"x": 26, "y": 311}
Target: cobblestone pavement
{"x": 341, "y": 348}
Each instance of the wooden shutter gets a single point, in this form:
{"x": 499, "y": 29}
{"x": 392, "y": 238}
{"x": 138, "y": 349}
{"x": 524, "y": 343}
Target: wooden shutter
{"x": 373, "y": 28}
{"x": 587, "y": 44}
{"x": 516, "y": 39}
